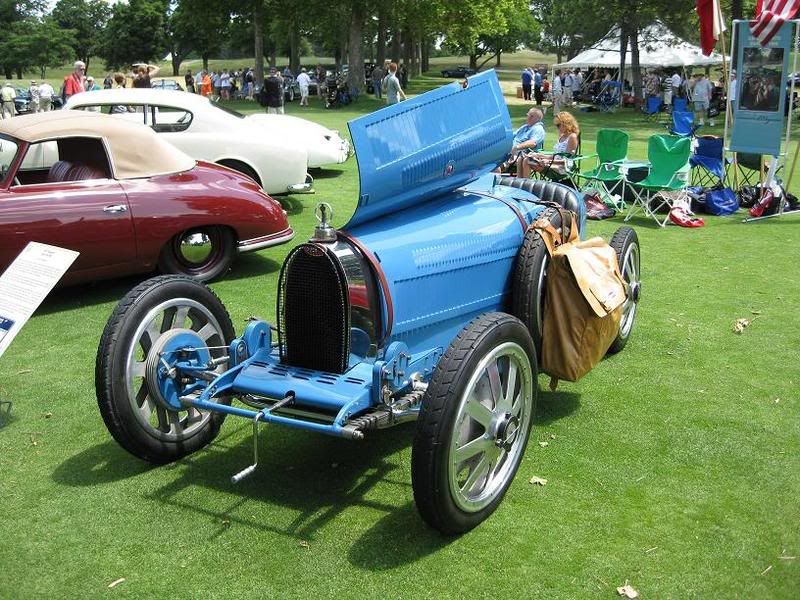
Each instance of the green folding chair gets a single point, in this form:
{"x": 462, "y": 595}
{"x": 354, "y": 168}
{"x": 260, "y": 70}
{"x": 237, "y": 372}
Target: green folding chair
{"x": 607, "y": 177}
{"x": 570, "y": 175}
{"x": 669, "y": 173}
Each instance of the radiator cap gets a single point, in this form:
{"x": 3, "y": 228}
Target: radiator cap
{"x": 323, "y": 232}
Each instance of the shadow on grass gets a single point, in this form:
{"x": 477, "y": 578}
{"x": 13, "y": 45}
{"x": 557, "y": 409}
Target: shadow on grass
{"x": 326, "y": 173}
{"x": 6, "y": 415}
{"x": 251, "y": 265}
{"x": 552, "y": 406}
{"x": 293, "y": 205}
{"x": 100, "y": 464}
{"x": 316, "y": 477}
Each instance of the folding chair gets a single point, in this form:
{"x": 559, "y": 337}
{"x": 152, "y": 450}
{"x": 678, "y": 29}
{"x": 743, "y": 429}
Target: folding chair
{"x": 749, "y": 169}
{"x": 680, "y": 105}
{"x": 708, "y": 162}
{"x": 683, "y": 124}
{"x": 606, "y": 177}
{"x": 669, "y": 172}
{"x": 573, "y": 164}
{"x": 652, "y": 108}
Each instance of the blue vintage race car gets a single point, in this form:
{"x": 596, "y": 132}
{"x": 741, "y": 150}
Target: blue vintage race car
{"x": 426, "y": 306}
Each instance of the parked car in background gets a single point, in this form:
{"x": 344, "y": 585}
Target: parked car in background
{"x": 22, "y": 103}
{"x": 460, "y": 71}
{"x": 210, "y": 131}
{"x": 166, "y": 84}
{"x": 124, "y": 198}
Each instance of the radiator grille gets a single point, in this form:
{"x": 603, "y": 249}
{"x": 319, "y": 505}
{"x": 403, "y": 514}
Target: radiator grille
{"x": 314, "y": 311}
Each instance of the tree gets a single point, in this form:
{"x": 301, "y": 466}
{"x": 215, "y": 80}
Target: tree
{"x": 135, "y": 33}
{"x": 12, "y": 13}
{"x": 49, "y": 45}
{"x": 87, "y": 19}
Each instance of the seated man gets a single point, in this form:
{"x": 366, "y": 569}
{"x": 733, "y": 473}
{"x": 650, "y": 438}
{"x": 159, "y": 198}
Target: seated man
{"x": 559, "y": 162}
{"x": 528, "y": 138}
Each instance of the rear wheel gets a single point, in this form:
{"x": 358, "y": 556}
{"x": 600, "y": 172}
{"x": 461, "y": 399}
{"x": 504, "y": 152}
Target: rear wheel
{"x": 474, "y": 423}
{"x": 137, "y": 398}
{"x": 529, "y": 285}
{"x": 626, "y": 244}
{"x": 204, "y": 253}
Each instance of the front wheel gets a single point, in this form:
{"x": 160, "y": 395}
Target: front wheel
{"x": 474, "y": 423}
{"x": 162, "y": 318}
{"x": 204, "y": 253}
{"x": 626, "y": 244}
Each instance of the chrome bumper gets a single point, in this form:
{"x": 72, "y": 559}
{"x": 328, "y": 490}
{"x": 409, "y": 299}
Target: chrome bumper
{"x": 266, "y": 241}
{"x": 302, "y": 188}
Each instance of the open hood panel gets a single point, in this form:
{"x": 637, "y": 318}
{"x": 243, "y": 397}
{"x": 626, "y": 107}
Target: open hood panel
{"x": 416, "y": 150}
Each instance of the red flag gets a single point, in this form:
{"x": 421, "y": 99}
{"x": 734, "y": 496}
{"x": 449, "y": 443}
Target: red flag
{"x": 711, "y": 25}
{"x": 770, "y": 15}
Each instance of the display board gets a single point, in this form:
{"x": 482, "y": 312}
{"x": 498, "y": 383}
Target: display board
{"x": 26, "y": 283}
{"x": 758, "y": 111}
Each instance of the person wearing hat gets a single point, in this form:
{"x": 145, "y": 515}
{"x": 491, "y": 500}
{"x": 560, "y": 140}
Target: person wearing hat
{"x": 35, "y": 95}
{"x": 7, "y": 96}
{"x": 74, "y": 82}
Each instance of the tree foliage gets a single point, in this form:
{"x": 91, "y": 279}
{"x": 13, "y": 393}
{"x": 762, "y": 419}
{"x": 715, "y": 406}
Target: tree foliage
{"x": 86, "y": 19}
{"x": 135, "y": 33}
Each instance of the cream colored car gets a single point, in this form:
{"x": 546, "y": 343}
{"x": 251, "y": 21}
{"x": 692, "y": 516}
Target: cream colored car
{"x": 210, "y": 132}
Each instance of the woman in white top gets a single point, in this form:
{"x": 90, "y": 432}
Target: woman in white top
{"x": 567, "y": 143}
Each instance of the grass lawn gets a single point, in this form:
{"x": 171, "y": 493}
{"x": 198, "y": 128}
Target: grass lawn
{"x": 673, "y": 465}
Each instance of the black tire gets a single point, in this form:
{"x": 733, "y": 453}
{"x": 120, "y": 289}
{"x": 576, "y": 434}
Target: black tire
{"x": 440, "y": 455}
{"x": 529, "y": 282}
{"x": 243, "y": 168}
{"x": 209, "y": 258}
{"x": 626, "y": 244}
{"x": 119, "y": 389}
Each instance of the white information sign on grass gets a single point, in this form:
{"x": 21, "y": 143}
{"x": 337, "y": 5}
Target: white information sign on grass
{"x": 26, "y": 283}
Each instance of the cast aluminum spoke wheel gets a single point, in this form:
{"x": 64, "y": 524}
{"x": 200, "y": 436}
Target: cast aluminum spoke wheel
{"x": 486, "y": 442}
{"x": 626, "y": 244}
{"x": 158, "y": 323}
{"x": 474, "y": 423}
{"x": 156, "y": 327}
{"x": 204, "y": 253}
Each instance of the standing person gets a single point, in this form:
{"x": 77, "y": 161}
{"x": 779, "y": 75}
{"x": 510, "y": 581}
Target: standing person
{"x": 249, "y": 82}
{"x": 108, "y": 82}
{"x": 90, "y": 85}
{"x": 273, "y": 92}
{"x": 215, "y": 85}
{"x": 225, "y": 84}
{"x": 537, "y": 87}
{"x": 651, "y": 84}
{"x": 120, "y": 80}
{"x": 676, "y": 86}
{"x": 556, "y": 91}
{"x": 34, "y": 92}
{"x": 73, "y": 83}
{"x": 701, "y": 96}
{"x": 567, "y": 87}
{"x": 666, "y": 87}
{"x": 198, "y": 82}
{"x": 377, "y": 81}
{"x": 732, "y": 90}
{"x": 320, "y": 75}
{"x": 142, "y": 76}
{"x": 392, "y": 87}
{"x": 188, "y": 79}
{"x": 402, "y": 75}
{"x": 206, "y": 86}
{"x": 303, "y": 80}
{"x": 7, "y": 96}
{"x": 527, "y": 80}
{"x": 578, "y": 84}
{"x": 46, "y": 92}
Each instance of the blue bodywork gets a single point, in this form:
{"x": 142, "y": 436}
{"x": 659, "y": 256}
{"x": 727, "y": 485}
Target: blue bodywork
{"x": 442, "y": 232}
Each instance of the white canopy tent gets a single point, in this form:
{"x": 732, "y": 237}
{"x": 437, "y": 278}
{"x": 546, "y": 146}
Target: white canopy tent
{"x": 658, "y": 47}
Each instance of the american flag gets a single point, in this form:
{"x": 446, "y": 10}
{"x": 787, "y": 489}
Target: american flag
{"x": 770, "y": 15}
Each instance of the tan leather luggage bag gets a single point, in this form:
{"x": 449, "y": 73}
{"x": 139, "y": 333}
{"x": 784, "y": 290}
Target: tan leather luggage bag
{"x": 583, "y": 304}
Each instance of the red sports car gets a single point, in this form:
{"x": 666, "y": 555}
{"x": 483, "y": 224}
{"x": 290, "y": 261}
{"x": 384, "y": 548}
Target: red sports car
{"x": 125, "y": 199}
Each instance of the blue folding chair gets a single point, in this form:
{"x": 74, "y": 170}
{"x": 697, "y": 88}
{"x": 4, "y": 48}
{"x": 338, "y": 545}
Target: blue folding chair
{"x": 683, "y": 124}
{"x": 708, "y": 162}
{"x": 680, "y": 105}
{"x": 652, "y": 107}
